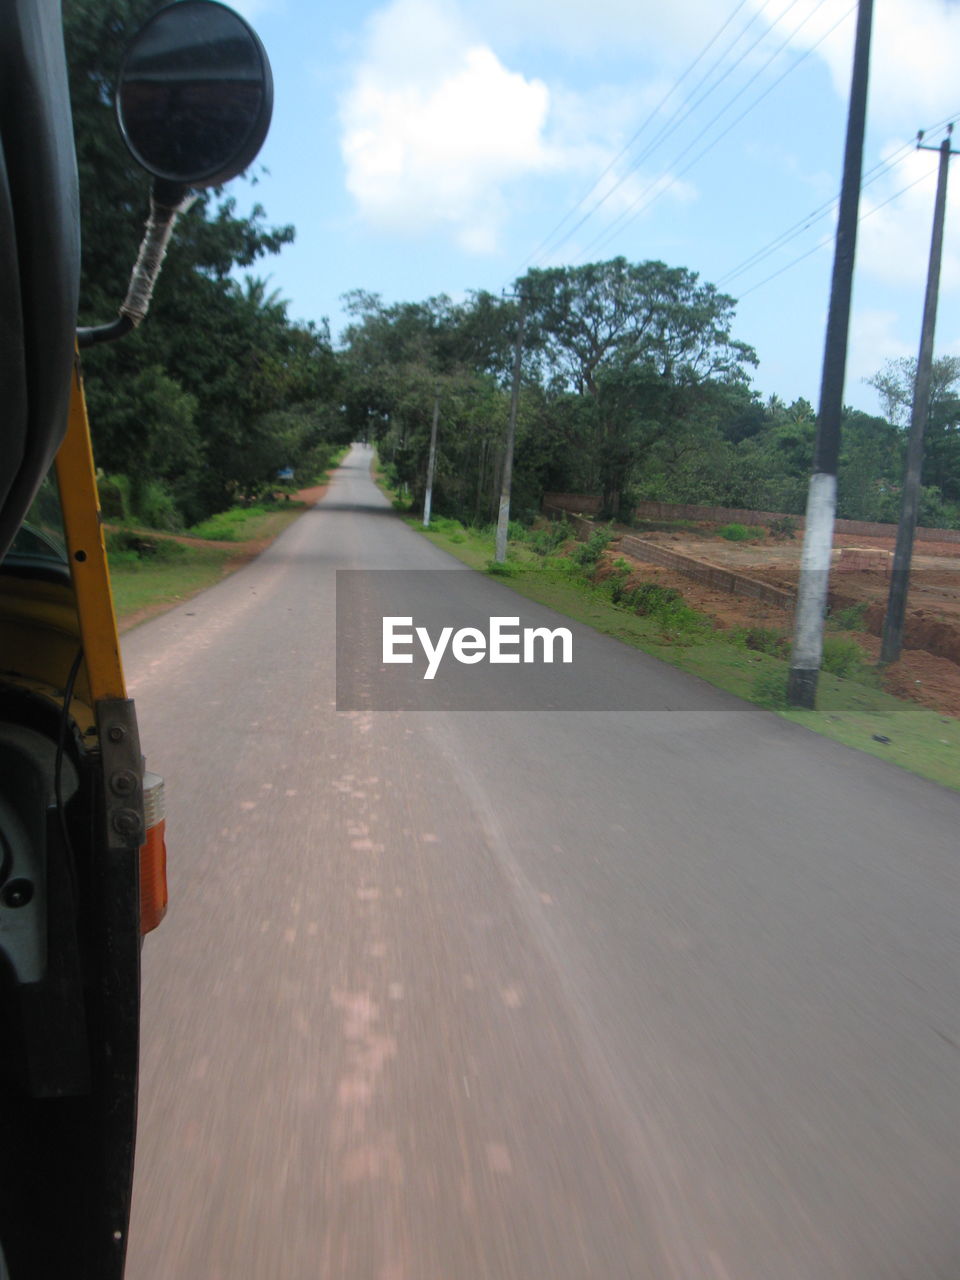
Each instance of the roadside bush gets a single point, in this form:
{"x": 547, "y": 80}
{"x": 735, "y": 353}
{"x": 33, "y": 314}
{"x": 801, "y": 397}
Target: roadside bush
{"x": 114, "y": 497}
{"x": 843, "y": 657}
{"x": 770, "y": 689}
{"x": 783, "y": 527}
{"x": 544, "y": 541}
{"x": 735, "y": 532}
{"x": 227, "y": 526}
{"x": 124, "y": 547}
{"x": 587, "y": 554}
{"x": 851, "y": 618}
{"x": 152, "y": 504}
{"x": 679, "y": 620}
{"x": 766, "y": 640}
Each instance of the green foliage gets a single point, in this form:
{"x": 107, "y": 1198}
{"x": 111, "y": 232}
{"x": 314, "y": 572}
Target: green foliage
{"x": 128, "y": 548}
{"x": 114, "y": 494}
{"x": 735, "y": 532}
{"x": 502, "y": 569}
{"x": 770, "y": 689}
{"x": 783, "y": 527}
{"x": 843, "y": 657}
{"x": 850, "y": 618}
{"x": 587, "y": 555}
{"x": 218, "y": 389}
{"x": 230, "y": 526}
{"x": 763, "y": 640}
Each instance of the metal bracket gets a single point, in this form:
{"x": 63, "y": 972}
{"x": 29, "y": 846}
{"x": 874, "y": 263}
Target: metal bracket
{"x": 122, "y": 773}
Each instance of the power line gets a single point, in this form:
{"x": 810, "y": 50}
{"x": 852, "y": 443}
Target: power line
{"x": 652, "y": 115}
{"x": 673, "y": 123}
{"x": 830, "y": 239}
{"x": 633, "y": 211}
{"x": 816, "y": 215}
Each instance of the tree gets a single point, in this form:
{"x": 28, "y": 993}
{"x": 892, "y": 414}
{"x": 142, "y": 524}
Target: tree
{"x": 226, "y": 350}
{"x": 639, "y": 342}
{"x": 895, "y": 382}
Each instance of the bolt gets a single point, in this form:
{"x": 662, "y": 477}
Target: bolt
{"x": 116, "y": 733}
{"x": 17, "y": 893}
{"x": 123, "y": 782}
{"x": 126, "y": 822}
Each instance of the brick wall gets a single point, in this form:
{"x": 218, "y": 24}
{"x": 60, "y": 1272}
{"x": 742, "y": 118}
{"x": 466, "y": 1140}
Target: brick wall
{"x": 667, "y": 511}
{"x": 710, "y": 575}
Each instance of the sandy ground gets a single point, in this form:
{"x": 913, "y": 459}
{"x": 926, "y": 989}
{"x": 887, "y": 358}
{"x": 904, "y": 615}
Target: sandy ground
{"x": 928, "y": 671}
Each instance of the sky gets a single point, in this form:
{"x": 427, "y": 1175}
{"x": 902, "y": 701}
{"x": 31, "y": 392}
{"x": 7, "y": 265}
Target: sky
{"x": 423, "y": 147}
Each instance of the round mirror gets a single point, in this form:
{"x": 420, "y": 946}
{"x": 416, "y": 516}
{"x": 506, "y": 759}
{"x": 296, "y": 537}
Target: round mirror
{"x": 195, "y": 94}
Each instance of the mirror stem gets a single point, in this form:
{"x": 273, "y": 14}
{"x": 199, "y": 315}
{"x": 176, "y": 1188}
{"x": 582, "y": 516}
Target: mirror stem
{"x": 167, "y": 201}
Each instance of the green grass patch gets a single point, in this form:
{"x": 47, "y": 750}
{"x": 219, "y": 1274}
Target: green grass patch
{"x": 735, "y": 532}
{"x": 241, "y": 524}
{"x": 752, "y": 664}
{"x": 140, "y": 584}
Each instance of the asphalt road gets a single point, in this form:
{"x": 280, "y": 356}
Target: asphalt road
{"x": 666, "y": 992}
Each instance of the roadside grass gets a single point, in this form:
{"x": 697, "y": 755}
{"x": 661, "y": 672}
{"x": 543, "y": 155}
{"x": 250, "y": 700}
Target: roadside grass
{"x": 851, "y": 709}
{"x": 141, "y": 584}
{"x": 243, "y": 524}
{"x": 151, "y": 570}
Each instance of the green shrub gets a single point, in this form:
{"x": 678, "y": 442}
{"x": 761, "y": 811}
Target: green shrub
{"x": 770, "y": 689}
{"x": 783, "y": 527}
{"x": 227, "y": 526}
{"x": 735, "y": 532}
{"x": 679, "y": 619}
{"x": 842, "y": 657}
{"x": 544, "y": 541}
{"x": 153, "y": 505}
{"x": 114, "y": 497}
{"x": 850, "y": 618}
{"x": 126, "y": 547}
{"x": 504, "y": 570}
{"x": 649, "y": 598}
{"x": 766, "y": 640}
{"x": 588, "y": 553}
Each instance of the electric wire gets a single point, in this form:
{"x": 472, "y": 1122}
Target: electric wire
{"x": 872, "y": 175}
{"x": 650, "y": 117}
{"x": 659, "y": 186}
{"x": 674, "y": 122}
{"x": 828, "y": 240}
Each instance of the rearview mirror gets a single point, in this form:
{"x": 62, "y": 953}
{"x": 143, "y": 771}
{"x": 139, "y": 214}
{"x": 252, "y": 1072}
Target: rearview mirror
{"x": 195, "y": 94}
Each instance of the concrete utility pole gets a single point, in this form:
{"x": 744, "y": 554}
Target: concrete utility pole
{"x": 822, "y": 497}
{"x": 503, "y": 516}
{"x": 432, "y": 459}
{"x": 910, "y": 501}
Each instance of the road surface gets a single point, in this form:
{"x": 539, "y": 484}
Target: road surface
{"x": 665, "y": 993}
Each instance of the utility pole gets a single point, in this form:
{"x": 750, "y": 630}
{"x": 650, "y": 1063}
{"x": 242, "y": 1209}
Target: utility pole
{"x": 910, "y": 500}
{"x": 822, "y": 496}
{"x": 503, "y": 516}
{"x": 432, "y": 460}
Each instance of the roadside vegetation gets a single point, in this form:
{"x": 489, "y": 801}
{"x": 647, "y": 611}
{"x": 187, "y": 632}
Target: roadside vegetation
{"x": 576, "y": 579}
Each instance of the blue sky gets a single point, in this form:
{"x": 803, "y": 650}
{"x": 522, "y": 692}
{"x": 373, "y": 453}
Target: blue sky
{"x": 433, "y": 146}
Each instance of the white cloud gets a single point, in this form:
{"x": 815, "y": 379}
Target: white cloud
{"x": 434, "y": 126}
{"x": 876, "y": 335}
{"x": 894, "y": 238}
{"x": 435, "y": 129}
{"x": 608, "y": 26}
{"x": 914, "y": 54}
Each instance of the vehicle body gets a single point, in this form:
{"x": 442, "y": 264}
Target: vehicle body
{"x": 82, "y": 859}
